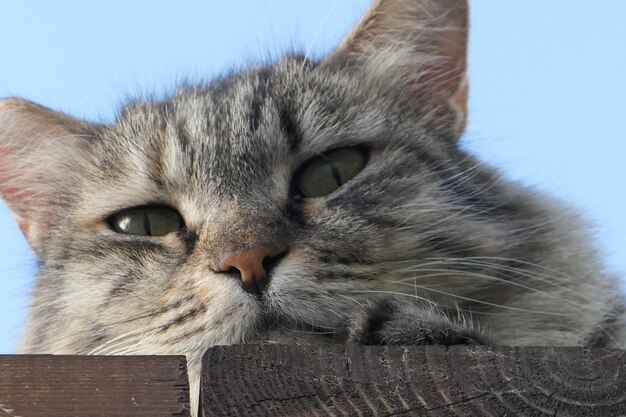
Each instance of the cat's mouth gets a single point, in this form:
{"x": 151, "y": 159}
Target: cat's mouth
{"x": 275, "y": 324}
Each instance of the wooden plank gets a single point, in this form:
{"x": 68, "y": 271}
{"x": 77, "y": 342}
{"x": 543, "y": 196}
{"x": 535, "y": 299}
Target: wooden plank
{"x": 271, "y": 380}
{"x": 106, "y": 386}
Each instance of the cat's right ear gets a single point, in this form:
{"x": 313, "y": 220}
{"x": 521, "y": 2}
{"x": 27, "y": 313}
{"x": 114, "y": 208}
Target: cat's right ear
{"x": 414, "y": 48}
{"x": 38, "y": 157}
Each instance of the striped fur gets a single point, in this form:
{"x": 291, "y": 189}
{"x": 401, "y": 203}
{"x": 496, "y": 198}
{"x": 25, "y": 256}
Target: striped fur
{"x": 424, "y": 221}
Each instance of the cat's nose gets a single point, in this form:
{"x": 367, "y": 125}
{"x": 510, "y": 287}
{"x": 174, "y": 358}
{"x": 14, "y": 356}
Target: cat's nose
{"x": 252, "y": 266}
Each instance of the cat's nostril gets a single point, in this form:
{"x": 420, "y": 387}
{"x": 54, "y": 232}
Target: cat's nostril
{"x": 234, "y": 272}
{"x": 252, "y": 267}
{"x": 269, "y": 262}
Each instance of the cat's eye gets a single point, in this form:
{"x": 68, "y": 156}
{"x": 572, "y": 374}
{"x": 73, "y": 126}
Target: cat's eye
{"x": 147, "y": 221}
{"x": 324, "y": 174}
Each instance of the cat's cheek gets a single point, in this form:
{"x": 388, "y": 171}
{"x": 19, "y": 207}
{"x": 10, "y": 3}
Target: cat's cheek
{"x": 229, "y": 314}
{"x": 204, "y": 311}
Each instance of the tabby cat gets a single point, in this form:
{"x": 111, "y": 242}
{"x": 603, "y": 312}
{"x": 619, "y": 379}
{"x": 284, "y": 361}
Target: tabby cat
{"x": 302, "y": 202}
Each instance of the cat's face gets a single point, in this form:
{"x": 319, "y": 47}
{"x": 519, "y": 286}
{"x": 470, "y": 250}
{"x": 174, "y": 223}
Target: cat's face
{"x": 242, "y": 166}
{"x": 231, "y": 159}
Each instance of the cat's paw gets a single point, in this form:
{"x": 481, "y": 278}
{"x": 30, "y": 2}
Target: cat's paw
{"x": 391, "y": 322}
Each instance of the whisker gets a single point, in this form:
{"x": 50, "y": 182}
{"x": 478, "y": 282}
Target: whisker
{"x": 550, "y": 280}
{"x": 115, "y": 342}
{"x": 396, "y": 293}
{"x": 318, "y": 32}
{"x": 486, "y": 302}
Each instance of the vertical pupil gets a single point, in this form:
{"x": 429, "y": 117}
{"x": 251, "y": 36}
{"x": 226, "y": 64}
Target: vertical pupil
{"x": 146, "y": 224}
{"x": 335, "y": 172}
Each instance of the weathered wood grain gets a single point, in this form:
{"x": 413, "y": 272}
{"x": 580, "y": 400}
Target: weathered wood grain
{"x": 98, "y": 386}
{"x": 270, "y": 380}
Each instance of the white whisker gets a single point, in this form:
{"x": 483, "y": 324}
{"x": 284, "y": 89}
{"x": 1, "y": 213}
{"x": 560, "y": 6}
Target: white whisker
{"x": 319, "y": 31}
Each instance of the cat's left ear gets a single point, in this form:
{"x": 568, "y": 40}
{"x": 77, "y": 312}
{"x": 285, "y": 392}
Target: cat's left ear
{"x": 39, "y": 157}
{"x": 417, "y": 47}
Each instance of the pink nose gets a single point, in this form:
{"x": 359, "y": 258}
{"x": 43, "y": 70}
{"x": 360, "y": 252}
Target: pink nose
{"x": 251, "y": 267}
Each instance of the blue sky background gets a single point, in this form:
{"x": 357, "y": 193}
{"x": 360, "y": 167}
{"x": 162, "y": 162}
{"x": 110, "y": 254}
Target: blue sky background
{"x": 547, "y": 103}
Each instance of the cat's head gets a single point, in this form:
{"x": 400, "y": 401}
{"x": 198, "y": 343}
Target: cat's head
{"x": 280, "y": 197}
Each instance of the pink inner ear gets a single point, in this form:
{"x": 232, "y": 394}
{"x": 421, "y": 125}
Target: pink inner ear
{"x": 30, "y": 165}
{"x": 20, "y": 201}
{"x": 445, "y": 82}
{"x": 25, "y": 228}
{"x": 441, "y": 80}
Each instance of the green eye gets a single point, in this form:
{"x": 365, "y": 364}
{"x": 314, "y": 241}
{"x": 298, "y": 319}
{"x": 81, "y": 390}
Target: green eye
{"x": 323, "y": 175}
{"x": 147, "y": 221}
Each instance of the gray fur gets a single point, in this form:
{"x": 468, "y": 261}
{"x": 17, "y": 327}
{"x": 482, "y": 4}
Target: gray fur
{"x": 423, "y": 222}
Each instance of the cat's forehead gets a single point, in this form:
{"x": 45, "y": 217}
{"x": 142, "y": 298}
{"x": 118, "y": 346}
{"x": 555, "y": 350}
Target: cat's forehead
{"x": 227, "y": 137}
{"x": 291, "y": 97}
{"x": 256, "y": 110}
{"x": 254, "y": 120}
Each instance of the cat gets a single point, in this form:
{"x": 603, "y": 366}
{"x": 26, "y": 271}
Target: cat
{"x": 299, "y": 202}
